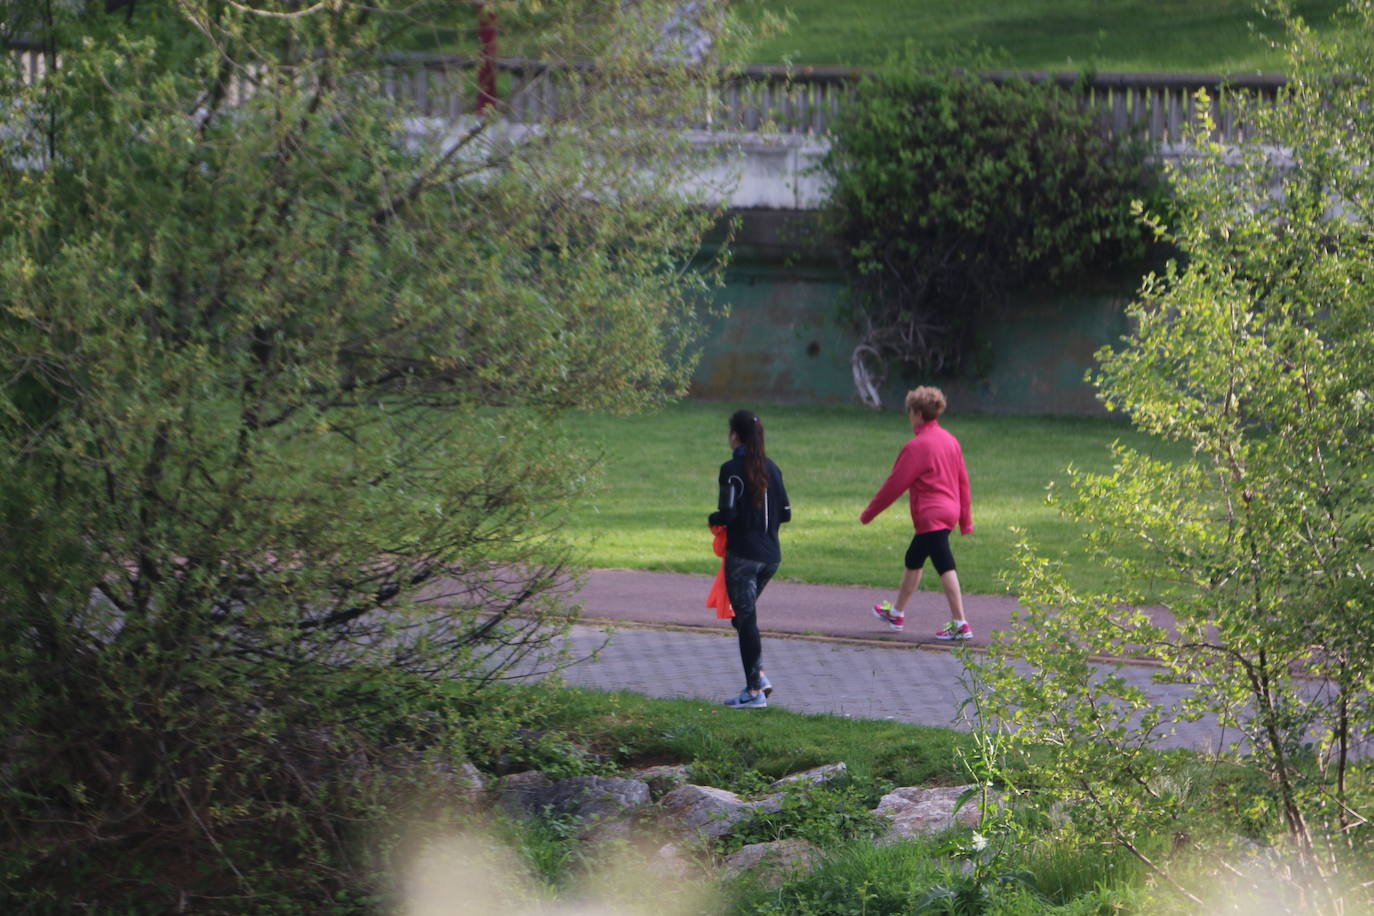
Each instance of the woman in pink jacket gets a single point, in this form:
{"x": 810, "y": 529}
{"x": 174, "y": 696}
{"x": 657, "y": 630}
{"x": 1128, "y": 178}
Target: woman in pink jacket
{"x": 930, "y": 468}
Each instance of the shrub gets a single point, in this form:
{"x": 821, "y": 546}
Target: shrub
{"x": 1257, "y": 354}
{"x": 280, "y": 375}
{"x": 951, "y": 189}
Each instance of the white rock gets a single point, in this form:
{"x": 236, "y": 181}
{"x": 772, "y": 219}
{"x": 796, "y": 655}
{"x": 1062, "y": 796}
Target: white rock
{"x": 663, "y": 779}
{"x": 913, "y": 811}
{"x": 776, "y": 860}
{"x": 822, "y": 775}
{"x": 704, "y": 809}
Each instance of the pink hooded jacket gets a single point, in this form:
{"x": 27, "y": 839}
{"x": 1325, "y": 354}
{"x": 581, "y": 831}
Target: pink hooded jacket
{"x": 930, "y": 467}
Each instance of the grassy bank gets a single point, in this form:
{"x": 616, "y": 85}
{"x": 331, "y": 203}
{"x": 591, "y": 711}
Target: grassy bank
{"x": 1214, "y": 36}
{"x": 726, "y": 745}
{"x": 1226, "y": 36}
{"x": 660, "y": 483}
{"x": 852, "y": 874}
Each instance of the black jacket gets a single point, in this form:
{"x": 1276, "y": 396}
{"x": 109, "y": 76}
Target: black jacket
{"x": 751, "y": 531}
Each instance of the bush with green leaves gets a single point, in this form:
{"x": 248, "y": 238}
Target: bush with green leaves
{"x": 951, "y": 191}
{"x": 281, "y": 371}
{"x": 1256, "y": 350}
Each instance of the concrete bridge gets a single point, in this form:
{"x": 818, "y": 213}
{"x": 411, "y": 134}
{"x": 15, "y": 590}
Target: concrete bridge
{"x": 769, "y": 126}
{"x": 766, "y": 133}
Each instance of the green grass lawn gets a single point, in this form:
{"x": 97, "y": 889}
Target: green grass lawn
{"x": 1216, "y": 36}
{"x": 650, "y": 731}
{"x": 660, "y": 484}
{"x": 1149, "y": 35}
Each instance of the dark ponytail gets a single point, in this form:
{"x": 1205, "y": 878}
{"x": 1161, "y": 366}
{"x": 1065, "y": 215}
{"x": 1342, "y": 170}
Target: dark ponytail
{"x": 749, "y": 430}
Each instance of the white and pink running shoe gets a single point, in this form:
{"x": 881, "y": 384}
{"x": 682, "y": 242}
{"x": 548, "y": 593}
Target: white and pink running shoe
{"x": 888, "y": 615}
{"x": 955, "y": 629}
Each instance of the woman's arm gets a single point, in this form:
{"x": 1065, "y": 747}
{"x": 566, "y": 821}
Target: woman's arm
{"x": 904, "y": 471}
{"x": 727, "y": 502}
{"x": 965, "y": 500}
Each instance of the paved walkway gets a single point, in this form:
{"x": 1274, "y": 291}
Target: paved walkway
{"x": 823, "y": 650}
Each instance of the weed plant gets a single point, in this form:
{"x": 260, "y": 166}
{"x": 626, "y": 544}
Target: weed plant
{"x": 856, "y": 879}
{"x": 824, "y": 815}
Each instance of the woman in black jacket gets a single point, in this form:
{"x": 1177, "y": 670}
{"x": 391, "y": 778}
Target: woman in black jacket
{"x": 752, "y": 504}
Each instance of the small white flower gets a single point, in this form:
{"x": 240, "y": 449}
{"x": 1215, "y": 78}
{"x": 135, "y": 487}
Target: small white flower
{"x": 979, "y": 842}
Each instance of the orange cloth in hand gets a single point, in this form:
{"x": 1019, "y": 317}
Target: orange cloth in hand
{"x": 718, "y": 597}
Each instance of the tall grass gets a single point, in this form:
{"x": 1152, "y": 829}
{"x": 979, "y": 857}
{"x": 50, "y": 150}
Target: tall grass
{"x": 650, "y": 509}
{"x": 861, "y": 878}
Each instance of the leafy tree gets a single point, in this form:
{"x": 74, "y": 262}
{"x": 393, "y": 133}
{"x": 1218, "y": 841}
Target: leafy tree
{"x": 950, "y": 190}
{"x": 1256, "y": 349}
{"x": 281, "y": 369}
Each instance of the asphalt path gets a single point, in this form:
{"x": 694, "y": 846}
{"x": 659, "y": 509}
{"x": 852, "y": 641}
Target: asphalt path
{"x": 823, "y": 650}
{"x": 789, "y": 608}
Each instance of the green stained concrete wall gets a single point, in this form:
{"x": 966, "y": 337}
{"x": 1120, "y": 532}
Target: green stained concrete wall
{"x": 781, "y": 342}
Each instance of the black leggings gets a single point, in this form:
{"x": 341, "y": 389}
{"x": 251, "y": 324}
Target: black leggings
{"x": 744, "y": 582}
{"x": 932, "y": 544}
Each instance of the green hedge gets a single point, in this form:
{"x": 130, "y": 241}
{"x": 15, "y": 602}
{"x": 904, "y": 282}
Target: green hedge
{"x": 951, "y": 191}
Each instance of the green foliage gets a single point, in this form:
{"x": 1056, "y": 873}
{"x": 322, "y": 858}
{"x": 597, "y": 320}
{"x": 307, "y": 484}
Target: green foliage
{"x": 1066, "y": 871}
{"x": 856, "y": 879}
{"x": 279, "y": 371}
{"x": 861, "y": 879}
{"x": 506, "y": 730}
{"x": 951, "y": 190}
{"x": 552, "y": 846}
{"x": 969, "y": 894}
{"x": 1257, "y": 353}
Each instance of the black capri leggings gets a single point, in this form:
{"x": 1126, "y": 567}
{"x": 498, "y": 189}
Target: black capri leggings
{"x": 935, "y": 546}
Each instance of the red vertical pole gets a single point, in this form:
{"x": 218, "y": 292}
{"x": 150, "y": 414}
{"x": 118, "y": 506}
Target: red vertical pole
{"x": 486, "y": 73}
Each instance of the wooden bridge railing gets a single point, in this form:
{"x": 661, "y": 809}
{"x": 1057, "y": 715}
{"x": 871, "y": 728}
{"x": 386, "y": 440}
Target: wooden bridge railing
{"x": 1156, "y": 107}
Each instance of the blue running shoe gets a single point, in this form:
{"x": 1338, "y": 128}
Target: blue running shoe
{"x": 765, "y": 685}
{"x": 747, "y": 700}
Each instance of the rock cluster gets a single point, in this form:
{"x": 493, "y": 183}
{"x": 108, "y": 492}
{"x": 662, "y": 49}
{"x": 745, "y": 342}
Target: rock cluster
{"x": 689, "y": 818}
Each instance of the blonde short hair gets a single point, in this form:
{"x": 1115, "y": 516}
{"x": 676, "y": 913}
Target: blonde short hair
{"x": 928, "y": 401}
